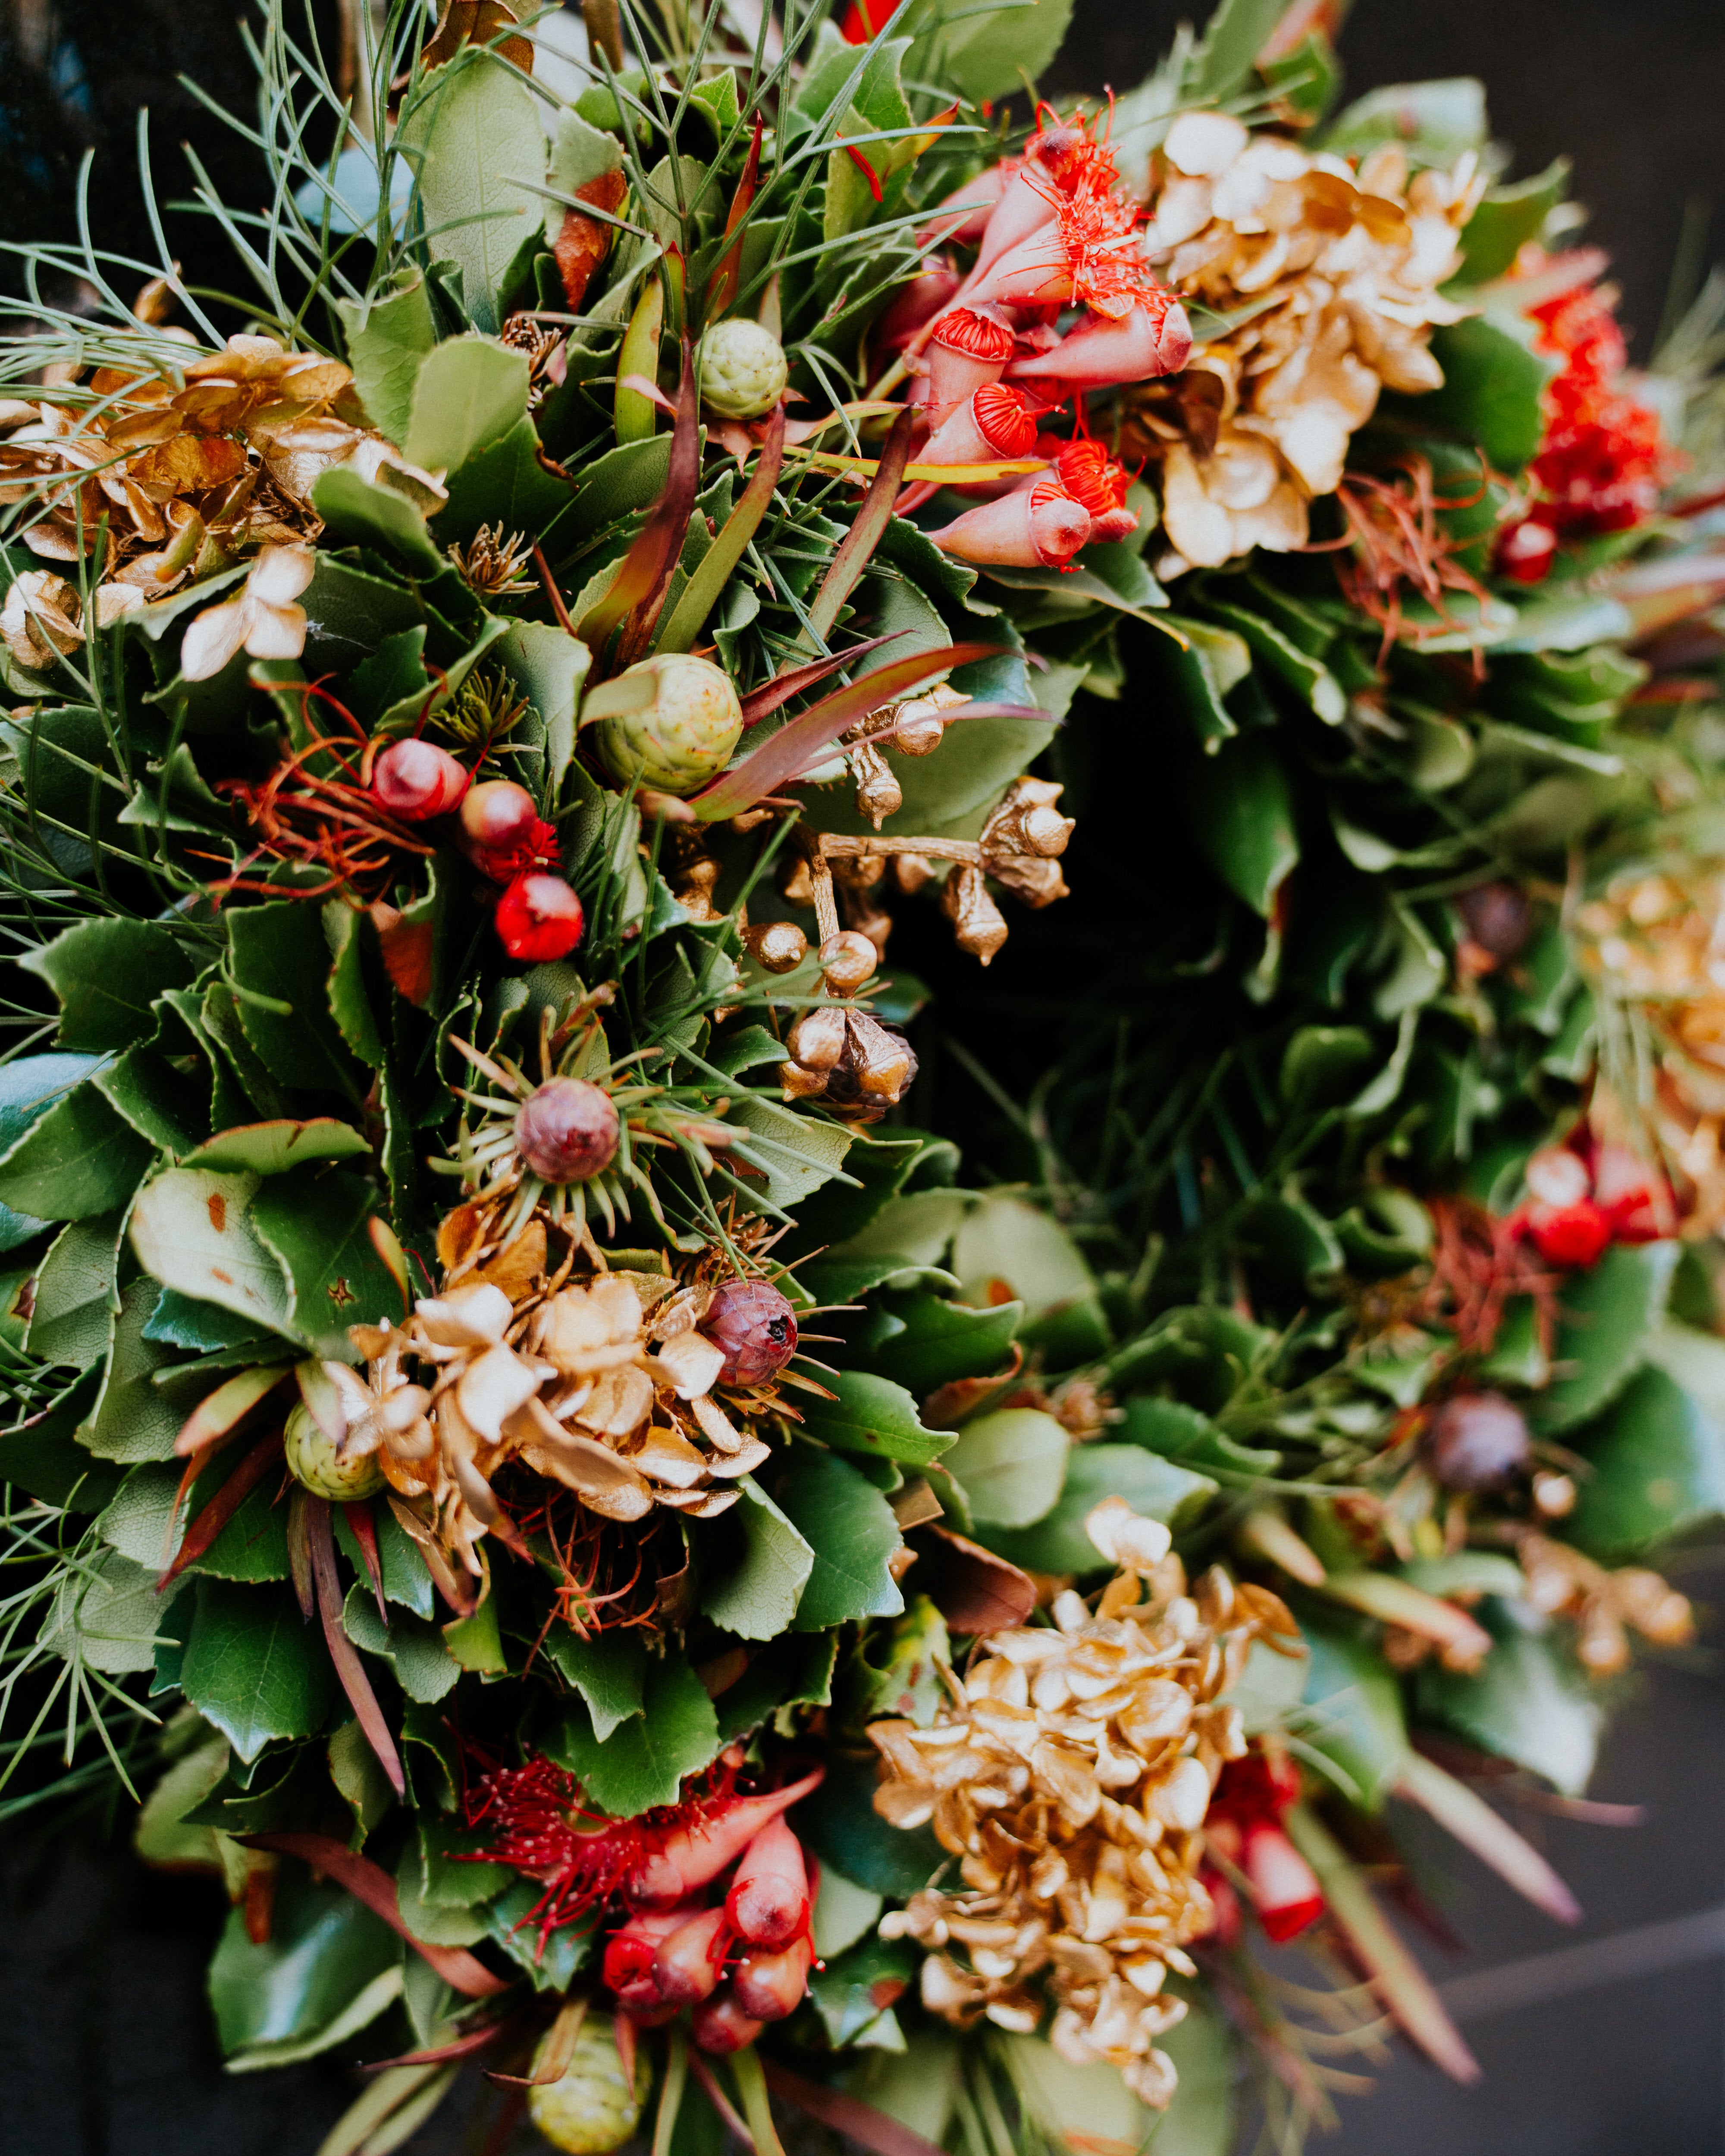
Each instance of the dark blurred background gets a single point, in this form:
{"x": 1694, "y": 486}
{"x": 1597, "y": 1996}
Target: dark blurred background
{"x": 1607, "y": 2041}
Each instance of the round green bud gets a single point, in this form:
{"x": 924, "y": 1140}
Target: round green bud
{"x": 316, "y": 1465}
{"x": 742, "y": 369}
{"x": 593, "y": 2108}
{"x": 671, "y": 721}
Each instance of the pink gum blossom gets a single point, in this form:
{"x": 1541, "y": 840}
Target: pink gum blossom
{"x": 965, "y": 213}
{"x": 1034, "y": 527}
{"x": 956, "y": 373}
{"x": 965, "y": 437}
{"x": 1155, "y": 338}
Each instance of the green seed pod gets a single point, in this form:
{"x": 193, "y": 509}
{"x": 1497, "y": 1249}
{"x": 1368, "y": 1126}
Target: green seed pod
{"x": 593, "y": 2108}
{"x": 671, "y": 721}
{"x": 742, "y": 369}
{"x": 315, "y": 1464}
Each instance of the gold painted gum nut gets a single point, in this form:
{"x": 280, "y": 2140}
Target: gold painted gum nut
{"x": 778, "y": 946}
{"x": 670, "y": 722}
{"x": 848, "y": 959}
{"x": 742, "y": 369}
{"x": 316, "y": 1465}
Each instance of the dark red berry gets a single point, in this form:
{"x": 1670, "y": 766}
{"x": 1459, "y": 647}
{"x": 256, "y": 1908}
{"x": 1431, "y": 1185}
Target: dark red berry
{"x": 755, "y": 1326}
{"x": 1573, "y": 1236}
{"x": 417, "y": 780}
{"x": 567, "y": 1131}
{"x": 539, "y": 917}
{"x": 1498, "y": 915}
{"x": 1477, "y": 1441}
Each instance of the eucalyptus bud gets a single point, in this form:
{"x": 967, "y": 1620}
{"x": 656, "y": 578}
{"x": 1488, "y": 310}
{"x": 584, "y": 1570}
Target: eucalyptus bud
{"x": 318, "y": 1464}
{"x": 755, "y": 1327}
{"x": 742, "y": 369}
{"x": 670, "y": 722}
{"x": 978, "y": 923}
{"x": 777, "y": 947}
{"x": 848, "y": 959}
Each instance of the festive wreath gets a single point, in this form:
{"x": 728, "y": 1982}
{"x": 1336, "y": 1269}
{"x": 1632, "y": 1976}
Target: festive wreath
{"x": 523, "y": 1457}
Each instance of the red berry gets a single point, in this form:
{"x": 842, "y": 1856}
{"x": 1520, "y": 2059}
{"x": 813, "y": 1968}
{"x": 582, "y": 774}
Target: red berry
{"x": 567, "y": 1131}
{"x": 1573, "y": 1236}
{"x": 1477, "y": 1441}
{"x": 539, "y": 917}
{"x": 416, "y": 779}
{"x": 502, "y": 833}
{"x": 1285, "y": 1888}
{"x": 755, "y": 1326}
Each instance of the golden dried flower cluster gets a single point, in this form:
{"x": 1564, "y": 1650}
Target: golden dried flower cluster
{"x": 1604, "y": 1604}
{"x": 603, "y": 1384}
{"x": 1070, "y": 1775}
{"x": 1655, "y": 945}
{"x": 1329, "y": 275}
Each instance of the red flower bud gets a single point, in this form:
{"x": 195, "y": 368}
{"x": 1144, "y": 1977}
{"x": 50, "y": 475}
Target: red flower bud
{"x": 768, "y": 1986}
{"x": 1285, "y": 1888}
{"x": 689, "y": 1962}
{"x": 755, "y": 1326}
{"x": 567, "y": 1131}
{"x": 539, "y": 917}
{"x": 501, "y": 831}
{"x": 1573, "y": 1236}
{"x": 719, "y": 2025}
{"x": 768, "y": 1901}
{"x": 417, "y": 780}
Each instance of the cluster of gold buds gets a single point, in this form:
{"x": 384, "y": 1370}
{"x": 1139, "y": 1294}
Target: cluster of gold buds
{"x": 846, "y": 1059}
{"x": 1654, "y": 945}
{"x": 189, "y": 460}
{"x": 41, "y": 618}
{"x": 496, "y": 564}
{"x": 1336, "y": 271}
{"x": 1069, "y": 1775}
{"x": 1604, "y": 1604}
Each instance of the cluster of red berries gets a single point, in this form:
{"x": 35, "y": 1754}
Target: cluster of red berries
{"x": 502, "y": 834}
{"x": 1583, "y": 1196}
{"x": 1602, "y": 459}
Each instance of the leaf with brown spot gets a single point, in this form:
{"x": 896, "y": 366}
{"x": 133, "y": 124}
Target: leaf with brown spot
{"x": 584, "y": 242}
{"x": 477, "y": 22}
{"x": 974, "y": 1590}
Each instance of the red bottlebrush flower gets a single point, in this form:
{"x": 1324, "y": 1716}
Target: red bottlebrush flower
{"x": 1151, "y": 338}
{"x": 719, "y": 2025}
{"x": 416, "y": 780}
{"x": 539, "y": 918}
{"x": 968, "y": 348}
{"x": 1244, "y": 1824}
{"x": 1603, "y": 457}
{"x": 994, "y": 422}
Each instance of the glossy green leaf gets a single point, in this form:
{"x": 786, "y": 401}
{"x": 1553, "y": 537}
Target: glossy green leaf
{"x": 165, "y": 1105}
{"x": 1006, "y": 1250}
{"x": 77, "y": 1159}
{"x": 481, "y": 153}
{"x": 797, "y": 1154}
{"x": 447, "y": 1878}
{"x": 1658, "y": 1469}
{"x": 106, "y": 973}
{"x": 271, "y": 1148}
{"x": 315, "y": 1226}
{"x": 1491, "y": 393}
{"x": 549, "y": 666}
{"x": 938, "y": 1340}
{"x": 759, "y": 1568}
{"x": 644, "y": 1759}
{"x": 1011, "y": 1465}
{"x": 1434, "y": 121}
{"x": 361, "y": 512}
{"x": 1354, "y": 1712}
{"x": 406, "y": 1582}
{"x": 191, "y": 1230}
{"x": 281, "y": 970}
{"x": 253, "y": 1667}
{"x": 1605, "y": 1318}
{"x": 609, "y": 1671}
{"x": 1242, "y": 813}
{"x": 795, "y": 1669}
{"x": 330, "y": 1968}
{"x": 1530, "y": 1703}
{"x": 845, "y": 1830}
{"x": 107, "y": 1614}
{"x": 133, "y": 1419}
{"x": 78, "y": 1294}
{"x": 849, "y": 1527}
{"x": 857, "y": 1987}
{"x": 872, "y": 1415}
{"x": 424, "y": 1665}
{"x": 1154, "y": 1487}
{"x": 992, "y": 53}
{"x": 387, "y": 336}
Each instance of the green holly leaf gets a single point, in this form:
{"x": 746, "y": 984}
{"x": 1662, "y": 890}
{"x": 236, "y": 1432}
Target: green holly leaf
{"x": 253, "y": 1667}
{"x": 78, "y": 1294}
{"x": 795, "y": 1669}
{"x": 315, "y": 1226}
{"x": 424, "y": 1665}
{"x": 252, "y": 1544}
{"x": 643, "y": 1760}
{"x": 797, "y": 1153}
{"x": 406, "y": 1582}
{"x": 1354, "y": 1712}
{"x": 162, "y": 1104}
{"x": 107, "y": 1613}
{"x": 858, "y": 1987}
{"x": 470, "y": 393}
{"x": 106, "y": 973}
{"x": 933, "y": 1340}
{"x": 872, "y": 1415}
{"x": 280, "y": 970}
{"x": 77, "y": 1158}
{"x": 1606, "y": 1317}
{"x": 840, "y": 1820}
{"x": 191, "y": 1230}
{"x": 609, "y": 1671}
{"x": 760, "y": 1567}
{"x": 1242, "y": 813}
{"x": 1005, "y": 1251}
{"x": 134, "y": 1418}
{"x": 1493, "y": 393}
{"x": 1658, "y": 1463}
{"x": 271, "y": 1148}
{"x": 361, "y": 513}
{"x": 993, "y": 52}
{"x": 449, "y": 1879}
{"x": 849, "y": 1527}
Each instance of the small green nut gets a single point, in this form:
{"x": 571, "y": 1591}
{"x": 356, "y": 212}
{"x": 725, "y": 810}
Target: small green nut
{"x": 742, "y": 369}
{"x": 592, "y": 2109}
{"x": 316, "y": 1465}
{"x": 670, "y": 722}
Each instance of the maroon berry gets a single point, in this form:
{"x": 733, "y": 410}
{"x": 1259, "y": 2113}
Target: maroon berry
{"x": 755, "y": 1326}
{"x": 498, "y": 813}
{"x": 1497, "y": 916}
{"x": 567, "y": 1131}
{"x": 539, "y": 918}
{"x": 417, "y": 780}
{"x": 1477, "y": 1441}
